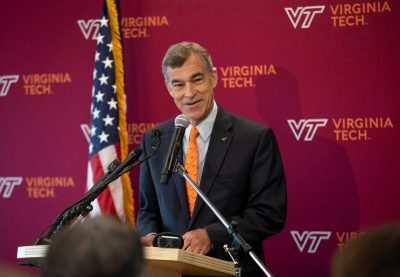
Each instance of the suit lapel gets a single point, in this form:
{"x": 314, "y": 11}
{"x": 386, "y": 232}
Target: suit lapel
{"x": 221, "y": 138}
{"x": 181, "y": 188}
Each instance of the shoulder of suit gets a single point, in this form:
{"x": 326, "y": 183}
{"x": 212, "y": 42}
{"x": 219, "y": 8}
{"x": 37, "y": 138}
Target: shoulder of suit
{"x": 164, "y": 126}
{"x": 159, "y": 130}
{"x": 246, "y": 123}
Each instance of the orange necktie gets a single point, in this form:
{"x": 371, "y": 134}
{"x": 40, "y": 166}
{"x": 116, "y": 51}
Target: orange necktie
{"x": 191, "y": 165}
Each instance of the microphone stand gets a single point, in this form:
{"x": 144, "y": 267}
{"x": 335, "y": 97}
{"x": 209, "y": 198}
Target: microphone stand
{"x": 82, "y": 207}
{"x": 77, "y": 211}
{"x": 231, "y": 227}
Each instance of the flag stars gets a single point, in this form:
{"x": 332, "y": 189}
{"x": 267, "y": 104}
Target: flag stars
{"x": 97, "y": 56}
{"x": 99, "y": 96}
{"x": 93, "y": 131}
{"x": 104, "y": 108}
{"x": 99, "y": 39}
{"x": 103, "y": 79}
{"x": 107, "y": 63}
{"x": 103, "y": 22}
{"x": 108, "y": 120}
{"x": 112, "y": 103}
{"x": 103, "y": 137}
{"x": 110, "y": 47}
{"x": 96, "y": 113}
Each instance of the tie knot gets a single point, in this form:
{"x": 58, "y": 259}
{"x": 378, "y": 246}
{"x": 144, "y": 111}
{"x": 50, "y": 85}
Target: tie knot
{"x": 193, "y": 133}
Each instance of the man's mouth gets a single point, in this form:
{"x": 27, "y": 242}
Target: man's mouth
{"x": 192, "y": 103}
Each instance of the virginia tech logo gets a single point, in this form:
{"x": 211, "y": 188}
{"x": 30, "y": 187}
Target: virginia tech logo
{"x": 308, "y": 127}
{"x": 5, "y": 83}
{"x": 243, "y": 76}
{"x": 310, "y": 238}
{"x": 303, "y": 15}
{"x": 7, "y": 185}
{"x": 89, "y": 28}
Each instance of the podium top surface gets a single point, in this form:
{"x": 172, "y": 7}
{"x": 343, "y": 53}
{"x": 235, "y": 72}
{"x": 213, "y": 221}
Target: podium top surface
{"x": 166, "y": 258}
{"x": 187, "y": 262}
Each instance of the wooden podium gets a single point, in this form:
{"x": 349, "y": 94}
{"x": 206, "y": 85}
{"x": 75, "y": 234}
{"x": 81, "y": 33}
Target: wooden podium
{"x": 166, "y": 262}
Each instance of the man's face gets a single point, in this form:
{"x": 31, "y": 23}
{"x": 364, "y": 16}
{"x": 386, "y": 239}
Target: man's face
{"x": 192, "y": 88}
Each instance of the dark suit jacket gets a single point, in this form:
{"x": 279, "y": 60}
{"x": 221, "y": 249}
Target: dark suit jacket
{"x": 243, "y": 177}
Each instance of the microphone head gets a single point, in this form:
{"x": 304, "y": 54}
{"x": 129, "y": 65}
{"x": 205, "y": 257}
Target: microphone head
{"x": 133, "y": 155}
{"x": 182, "y": 121}
{"x": 136, "y": 153}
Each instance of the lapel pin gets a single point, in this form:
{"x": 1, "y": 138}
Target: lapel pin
{"x": 224, "y": 139}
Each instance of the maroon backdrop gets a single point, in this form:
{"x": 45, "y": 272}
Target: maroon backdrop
{"x": 323, "y": 75}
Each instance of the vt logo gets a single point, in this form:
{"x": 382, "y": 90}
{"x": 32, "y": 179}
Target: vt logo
{"x": 310, "y": 238}
{"x": 303, "y": 15}
{"x": 311, "y": 125}
{"x": 7, "y": 185}
{"x": 89, "y": 28}
{"x": 5, "y": 83}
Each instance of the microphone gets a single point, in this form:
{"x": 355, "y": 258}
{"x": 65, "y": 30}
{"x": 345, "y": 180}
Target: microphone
{"x": 111, "y": 167}
{"x": 114, "y": 171}
{"x": 132, "y": 156}
{"x": 181, "y": 123}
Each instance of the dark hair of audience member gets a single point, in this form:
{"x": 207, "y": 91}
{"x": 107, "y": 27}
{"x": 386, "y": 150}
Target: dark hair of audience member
{"x": 102, "y": 246}
{"x": 375, "y": 253}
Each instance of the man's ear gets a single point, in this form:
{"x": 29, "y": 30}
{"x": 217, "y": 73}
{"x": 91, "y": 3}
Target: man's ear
{"x": 214, "y": 77}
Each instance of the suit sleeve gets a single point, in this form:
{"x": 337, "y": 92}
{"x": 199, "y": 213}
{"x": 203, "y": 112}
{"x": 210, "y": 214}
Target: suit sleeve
{"x": 265, "y": 211}
{"x": 149, "y": 220}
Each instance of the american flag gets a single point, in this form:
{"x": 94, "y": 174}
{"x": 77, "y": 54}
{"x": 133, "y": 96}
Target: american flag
{"x": 108, "y": 132}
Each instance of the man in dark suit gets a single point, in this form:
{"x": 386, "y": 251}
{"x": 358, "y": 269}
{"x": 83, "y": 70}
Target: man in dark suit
{"x": 239, "y": 167}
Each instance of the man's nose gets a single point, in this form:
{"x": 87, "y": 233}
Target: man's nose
{"x": 189, "y": 89}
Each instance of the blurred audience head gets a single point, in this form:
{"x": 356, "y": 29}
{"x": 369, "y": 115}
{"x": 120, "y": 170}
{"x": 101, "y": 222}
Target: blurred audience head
{"x": 7, "y": 270}
{"x": 377, "y": 254}
{"x": 102, "y": 246}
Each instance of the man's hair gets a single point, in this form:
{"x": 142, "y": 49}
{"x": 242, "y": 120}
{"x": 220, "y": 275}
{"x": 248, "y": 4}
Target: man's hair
{"x": 375, "y": 253}
{"x": 178, "y": 54}
{"x": 102, "y": 246}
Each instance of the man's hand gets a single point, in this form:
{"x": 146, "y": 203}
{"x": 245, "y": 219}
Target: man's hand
{"x": 147, "y": 240}
{"x": 197, "y": 241}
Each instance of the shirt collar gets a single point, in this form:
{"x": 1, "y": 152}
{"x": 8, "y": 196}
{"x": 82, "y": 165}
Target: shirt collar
{"x": 205, "y": 127}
